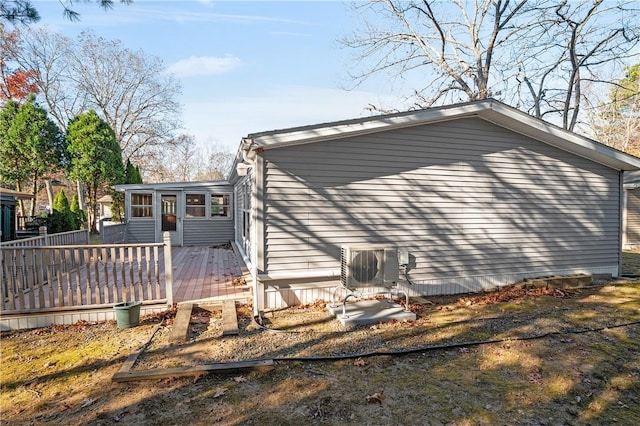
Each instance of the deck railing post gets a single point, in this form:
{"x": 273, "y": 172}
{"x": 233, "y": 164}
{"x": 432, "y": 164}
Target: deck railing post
{"x": 42, "y": 231}
{"x": 168, "y": 271}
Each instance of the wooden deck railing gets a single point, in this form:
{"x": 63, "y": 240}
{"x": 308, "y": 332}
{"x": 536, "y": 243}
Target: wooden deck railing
{"x": 36, "y": 278}
{"x": 61, "y": 239}
{"x": 112, "y": 234}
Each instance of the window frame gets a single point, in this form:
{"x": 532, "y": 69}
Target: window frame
{"x": 133, "y": 206}
{"x": 226, "y": 206}
{"x": 203, "y": 206}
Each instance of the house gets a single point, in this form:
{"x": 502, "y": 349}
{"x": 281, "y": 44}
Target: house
{"x": 631, "y": 222}
{"x": 104, "y": 206}
{"x": 476, "y": 195}
{"x": 8, "y": 224}
{"x": 194, "y": 213}
{"x": 470, "y": 196}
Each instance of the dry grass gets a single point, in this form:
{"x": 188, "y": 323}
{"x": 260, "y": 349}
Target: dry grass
{"x": 631, "y": 262}
{"x": 61, "y": 375}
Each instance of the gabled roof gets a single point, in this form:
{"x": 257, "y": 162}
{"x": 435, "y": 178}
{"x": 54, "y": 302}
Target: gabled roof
{"x": 16, "y": 194}
{"x": 489, "y": 109}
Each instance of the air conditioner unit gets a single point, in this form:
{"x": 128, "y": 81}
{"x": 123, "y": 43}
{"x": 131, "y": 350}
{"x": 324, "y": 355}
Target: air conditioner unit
{"x": 370, "y": 265}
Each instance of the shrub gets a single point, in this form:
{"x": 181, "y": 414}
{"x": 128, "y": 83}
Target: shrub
{"x": 61, "y": 219}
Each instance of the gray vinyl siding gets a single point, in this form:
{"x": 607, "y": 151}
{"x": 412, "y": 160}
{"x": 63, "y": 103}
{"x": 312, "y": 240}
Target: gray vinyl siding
{"x": 207, "y": 232}
{"x": 141, "y": 231}
{"x": 633, "y": 217}
{"x": 466, "y": 197}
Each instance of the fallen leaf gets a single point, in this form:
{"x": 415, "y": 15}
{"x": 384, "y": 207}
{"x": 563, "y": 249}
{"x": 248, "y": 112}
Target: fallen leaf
{"x": 376, "y": 398}
{"x": 360, "y": 362}
{"x": 239, "y": 379}
{"x": 535, "y": 378}
{"x": 168, "y": 380}
{"x": 219, "y": 392}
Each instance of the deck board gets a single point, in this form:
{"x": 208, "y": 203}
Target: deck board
{"x": 207, "y": 273}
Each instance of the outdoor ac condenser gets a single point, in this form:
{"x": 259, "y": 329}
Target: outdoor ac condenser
{"x": 371, "y": 265}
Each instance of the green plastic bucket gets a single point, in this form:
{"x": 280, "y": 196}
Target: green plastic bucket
{"x": 127, "y": 314}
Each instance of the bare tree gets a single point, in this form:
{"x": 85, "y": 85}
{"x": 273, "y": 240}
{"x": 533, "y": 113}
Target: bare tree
{"x": 187, "y": 161}
{"x": 616, "y": 121}
{"x": 181, "y": 161}
{"x": 536, "y": 54}
{"x": 47, "y": 53}
{"x": 579, "y": 43}
{"x": 130, "y": 90}
{"x": 452, "y": 44}
{"x": 217, "y": 165}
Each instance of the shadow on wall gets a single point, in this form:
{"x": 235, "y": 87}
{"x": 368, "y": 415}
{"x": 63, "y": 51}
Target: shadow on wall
{"x": 466, "y": 198}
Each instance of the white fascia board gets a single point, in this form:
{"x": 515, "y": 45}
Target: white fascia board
{"x": 490, "y": 110}
{"x": 338, "y": 130}
{"x": 169, "y": 186}
{"x": 519, "y": 122}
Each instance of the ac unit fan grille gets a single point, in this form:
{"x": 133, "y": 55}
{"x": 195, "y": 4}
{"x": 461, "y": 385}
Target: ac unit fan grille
{"x": 368, "y": 266}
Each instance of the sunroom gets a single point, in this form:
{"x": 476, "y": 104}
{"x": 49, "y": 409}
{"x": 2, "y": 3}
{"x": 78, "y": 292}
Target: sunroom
{"x": 194, "y": 213}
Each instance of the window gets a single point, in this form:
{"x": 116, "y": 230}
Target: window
{"x": 195, "y": 205}
{"x": 220, "y": 205}
{"x": 141, "y": 205}
{"x": 246, "y": 210}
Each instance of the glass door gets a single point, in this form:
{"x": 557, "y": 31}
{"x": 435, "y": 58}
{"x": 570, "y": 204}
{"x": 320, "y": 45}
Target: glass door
{"x": 170, "y": 220}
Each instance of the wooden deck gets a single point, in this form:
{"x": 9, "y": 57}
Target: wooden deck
{"x": 113, "y": 274}
{"x": 199, "y": 273}
{"x": 208, "y": 273}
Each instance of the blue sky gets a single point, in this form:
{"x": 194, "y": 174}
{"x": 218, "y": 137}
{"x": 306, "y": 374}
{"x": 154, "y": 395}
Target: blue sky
{"x": 243, "y": 66}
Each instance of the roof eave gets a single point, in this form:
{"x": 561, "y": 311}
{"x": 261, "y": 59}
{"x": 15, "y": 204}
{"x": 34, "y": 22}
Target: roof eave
{"x": 169, "y": 186}
{"x": 489, "y": 109}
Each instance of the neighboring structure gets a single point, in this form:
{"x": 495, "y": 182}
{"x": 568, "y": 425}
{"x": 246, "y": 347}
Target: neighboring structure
{"x": 195, "y": 213}
{"x": 631, "y": 222}
{"x": 478, "y": 194}
{"x": 104, "y": 207}
{"x": 8, "y": 223}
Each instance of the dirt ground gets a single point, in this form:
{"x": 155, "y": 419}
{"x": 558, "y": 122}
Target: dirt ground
{"x": 517, "y": 356}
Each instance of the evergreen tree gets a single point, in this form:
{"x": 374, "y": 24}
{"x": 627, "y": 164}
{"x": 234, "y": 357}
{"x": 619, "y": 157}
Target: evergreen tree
{"x": 31, "y": 146}
{"x": 95, "y": 158}
{"x": 62, "y": 219}
{"x": 79, "y": 215}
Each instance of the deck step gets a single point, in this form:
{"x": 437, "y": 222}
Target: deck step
{"x": 180, "y": 331}
{"x": 229, "y": 318}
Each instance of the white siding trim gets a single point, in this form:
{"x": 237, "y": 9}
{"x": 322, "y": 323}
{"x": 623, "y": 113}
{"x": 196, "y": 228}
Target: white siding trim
{"x": 285, "y": 295}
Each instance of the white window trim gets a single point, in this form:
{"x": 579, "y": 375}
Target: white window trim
{"x": 230, "y": 206}
{"x": 131, "y": 205}
{"x": 206, "y": 205}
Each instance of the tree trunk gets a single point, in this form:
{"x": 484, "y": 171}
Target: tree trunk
{"x": 49, "y": 187}
{"x": 34, "y": 193}
{"x": 93, "y": 190}
{"x": 20, "y": 200}
{"x": 81, "y": 202}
